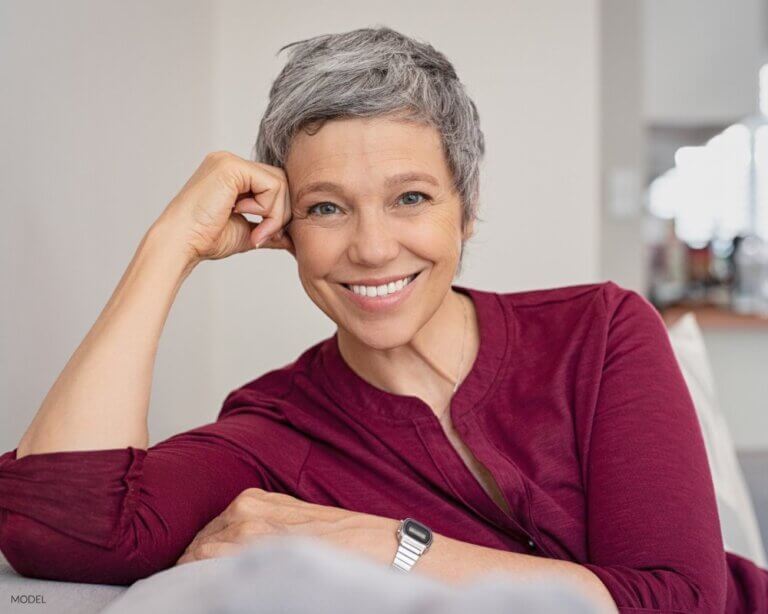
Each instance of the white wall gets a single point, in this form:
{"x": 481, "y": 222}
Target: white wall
{"x": 106, "y": 110}
{"x": 702, "y": 59}
{"x": 109, "y": 106}
{"x": 622, "y": 144}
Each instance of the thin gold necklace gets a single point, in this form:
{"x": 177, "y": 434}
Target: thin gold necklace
{"x": 463, "y": 339}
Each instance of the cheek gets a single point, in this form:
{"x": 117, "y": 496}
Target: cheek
{"x": 316, "y": 249}
{"x": 437, "y": 238}
{"x": 318, "y": 252}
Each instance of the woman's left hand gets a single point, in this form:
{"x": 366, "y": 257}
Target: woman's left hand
{"x": 256, "y": 512}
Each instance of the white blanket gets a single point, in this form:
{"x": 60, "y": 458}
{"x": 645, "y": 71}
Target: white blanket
{"x": 294, "y": 574}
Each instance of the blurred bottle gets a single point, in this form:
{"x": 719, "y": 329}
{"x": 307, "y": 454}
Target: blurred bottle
{"x": 699, "y": 259}
{"x": 750, "y": 294}
{"x": 721, "y": 270}
{"x": 668, "y": 262}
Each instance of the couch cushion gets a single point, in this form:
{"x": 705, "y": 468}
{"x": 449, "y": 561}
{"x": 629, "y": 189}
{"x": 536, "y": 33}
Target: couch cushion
{"x": 20, "y": 594}
{"x": 741, "y": 533}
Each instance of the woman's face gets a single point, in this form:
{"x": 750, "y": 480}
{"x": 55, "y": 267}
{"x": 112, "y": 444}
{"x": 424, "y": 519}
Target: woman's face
{"x": 386, "y": 210}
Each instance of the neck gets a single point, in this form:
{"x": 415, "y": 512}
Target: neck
{"x": 426, "y": 366}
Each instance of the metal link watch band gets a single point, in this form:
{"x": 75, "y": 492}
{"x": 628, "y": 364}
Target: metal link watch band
{"x": 409, "y": 549}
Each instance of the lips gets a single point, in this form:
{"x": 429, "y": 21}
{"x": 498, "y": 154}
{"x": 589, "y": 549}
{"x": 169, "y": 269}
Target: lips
{"x": 411, "y": 276}
{"x": 385, "y": 303}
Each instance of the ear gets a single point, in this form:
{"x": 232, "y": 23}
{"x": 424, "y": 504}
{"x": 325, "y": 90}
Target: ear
{"x": 281, "y": 240}
{"x": 469, "y": 230}
{"x": 286, "y": 242}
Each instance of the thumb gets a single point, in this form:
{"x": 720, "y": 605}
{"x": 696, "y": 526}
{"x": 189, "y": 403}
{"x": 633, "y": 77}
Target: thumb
{"x": 240, "y": 232}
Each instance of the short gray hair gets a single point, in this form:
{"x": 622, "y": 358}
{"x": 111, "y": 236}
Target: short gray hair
{"x": 374, "y": 72}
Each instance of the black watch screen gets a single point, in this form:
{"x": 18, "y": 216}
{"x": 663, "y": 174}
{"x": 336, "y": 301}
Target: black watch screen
{"x": 415, "y": 530}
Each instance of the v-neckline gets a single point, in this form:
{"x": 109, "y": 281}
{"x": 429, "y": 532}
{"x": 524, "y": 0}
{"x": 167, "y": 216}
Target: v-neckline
{"x": 369, "y": 402}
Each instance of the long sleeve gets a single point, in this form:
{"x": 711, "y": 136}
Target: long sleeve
{"x": 114, "y": 516}
{"x": 653, "y": 530}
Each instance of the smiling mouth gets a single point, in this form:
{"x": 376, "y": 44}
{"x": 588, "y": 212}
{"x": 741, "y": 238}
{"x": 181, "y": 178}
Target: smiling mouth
{"x": 384, "y": 289}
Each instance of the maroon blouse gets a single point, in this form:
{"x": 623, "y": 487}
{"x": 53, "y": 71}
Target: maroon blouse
{"x": 575, "y": 404}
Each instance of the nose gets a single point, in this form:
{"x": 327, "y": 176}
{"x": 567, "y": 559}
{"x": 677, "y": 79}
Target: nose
{"x": 374, "y": 242}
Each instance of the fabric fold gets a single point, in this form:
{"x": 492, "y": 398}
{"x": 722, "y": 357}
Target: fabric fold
{"x": 89, "y": 495}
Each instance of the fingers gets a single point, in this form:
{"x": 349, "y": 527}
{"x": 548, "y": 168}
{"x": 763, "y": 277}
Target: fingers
{"x": 214, "y": 526}
{"x": 264, "y": 231}
{"x": 225, "y": 539}
{"x": 275, "y": 218}
{"x": 245, "y": 532}
{"x": 270, "y": 232}
{"x": 254, "y": 513}
{"x": 209, "y": 550}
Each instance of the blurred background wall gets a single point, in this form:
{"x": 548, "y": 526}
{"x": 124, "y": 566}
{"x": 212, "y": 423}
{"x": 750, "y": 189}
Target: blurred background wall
{"x": 108, "y": 107}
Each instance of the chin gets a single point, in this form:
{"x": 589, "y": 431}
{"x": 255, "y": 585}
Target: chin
{"x": 384, "y": 336}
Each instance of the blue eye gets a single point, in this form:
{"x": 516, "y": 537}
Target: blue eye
{"x": 424, "y": 196}
{"x": 311, "y": 210}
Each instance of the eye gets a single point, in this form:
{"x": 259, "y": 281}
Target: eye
{"x": 328, "y": 208}
{"x": 424, "y": 197}
{"x": 313, "y": 208}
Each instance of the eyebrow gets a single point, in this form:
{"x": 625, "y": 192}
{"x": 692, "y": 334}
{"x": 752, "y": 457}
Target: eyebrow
{"x": 329, "y": 186}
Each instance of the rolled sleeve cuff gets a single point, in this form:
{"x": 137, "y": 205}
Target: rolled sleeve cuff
{"x": 89, "y": 495}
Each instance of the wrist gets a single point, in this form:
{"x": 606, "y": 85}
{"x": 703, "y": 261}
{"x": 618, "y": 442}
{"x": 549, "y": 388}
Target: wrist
{"x": 162, "y": 242}
{"x": 414, "y": 541}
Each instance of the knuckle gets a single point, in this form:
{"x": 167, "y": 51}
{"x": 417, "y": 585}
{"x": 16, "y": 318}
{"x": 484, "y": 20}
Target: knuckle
{"x": 273, "y": 170}
{"x": 281, "y": 172}
{"x": 252, "y": 492}
{"x": 274, "y": 495}
{"x": 277, "y": 177}
{"x": 218, "y": 156}
{"x": 242, "y": 505}
{"x": 274, "y": 183}
{"x": 282, "y": 177}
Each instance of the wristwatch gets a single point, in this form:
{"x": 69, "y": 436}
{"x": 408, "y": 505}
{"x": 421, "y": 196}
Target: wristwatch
{"x": 414, "y": 539}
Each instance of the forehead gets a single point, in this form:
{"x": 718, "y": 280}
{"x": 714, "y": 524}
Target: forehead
{"x": 355, "y": 149}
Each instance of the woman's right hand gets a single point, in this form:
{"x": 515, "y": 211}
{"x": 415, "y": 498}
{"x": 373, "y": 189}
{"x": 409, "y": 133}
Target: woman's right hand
{"x": 205, "y": 215}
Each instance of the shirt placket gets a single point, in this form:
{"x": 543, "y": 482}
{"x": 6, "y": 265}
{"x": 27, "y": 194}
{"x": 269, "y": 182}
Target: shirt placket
{"x": 466, "y": 487}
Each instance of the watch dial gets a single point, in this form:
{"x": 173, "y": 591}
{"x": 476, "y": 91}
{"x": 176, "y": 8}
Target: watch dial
{"x": 417, "y": 531}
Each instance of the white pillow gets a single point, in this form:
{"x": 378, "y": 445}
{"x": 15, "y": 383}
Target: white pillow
{"x": 741, "y": 533}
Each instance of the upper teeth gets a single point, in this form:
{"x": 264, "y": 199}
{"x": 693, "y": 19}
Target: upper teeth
{"x": 384, "y": 289}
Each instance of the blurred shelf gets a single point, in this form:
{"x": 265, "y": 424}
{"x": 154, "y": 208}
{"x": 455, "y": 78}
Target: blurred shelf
{"x": 716, "y": 317}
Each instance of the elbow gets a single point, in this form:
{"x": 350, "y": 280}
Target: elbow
{"x": 664, "y": 589}
{"x": 709, "y": 585}
{"x": 709, "y": 598}
{"x": 35, "y": 550}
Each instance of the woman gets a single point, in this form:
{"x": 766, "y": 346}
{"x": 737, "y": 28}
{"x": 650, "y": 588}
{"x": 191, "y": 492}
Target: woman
{"x": 537, "y": 432}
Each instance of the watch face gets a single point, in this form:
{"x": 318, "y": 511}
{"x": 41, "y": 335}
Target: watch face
{"x": 414, "y": 529}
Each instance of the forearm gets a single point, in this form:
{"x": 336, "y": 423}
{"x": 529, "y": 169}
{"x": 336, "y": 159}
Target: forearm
{"x": 101, "y": 398}
{"x": 456, "y": 562}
